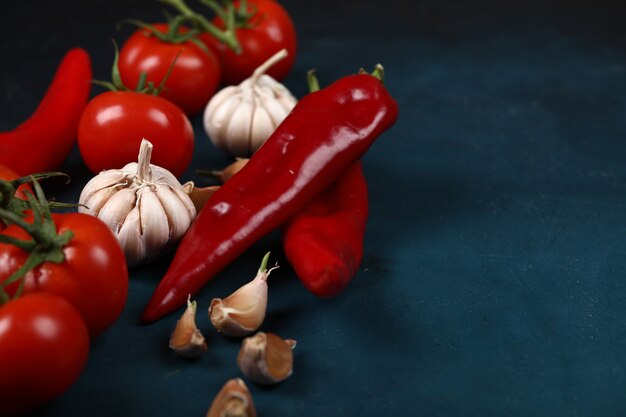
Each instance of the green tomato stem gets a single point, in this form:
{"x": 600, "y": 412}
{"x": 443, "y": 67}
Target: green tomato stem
{"x": 226, "y": 36}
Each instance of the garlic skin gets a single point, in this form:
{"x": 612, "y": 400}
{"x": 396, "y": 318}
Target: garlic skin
{"x": 233, "y": 400}
{"x": 242, "y": 312}
{"x": 144, "y": 205}
{"x": 230, "y": 170}
{"x": 265, "y": 358}
{"x": 238, "y": 119}
{"x": 186, "y": 340}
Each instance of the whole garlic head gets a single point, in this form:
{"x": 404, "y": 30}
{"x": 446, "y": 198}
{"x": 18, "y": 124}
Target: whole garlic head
{"x": 238, "y": 119}
{"x": 143, "y": 204}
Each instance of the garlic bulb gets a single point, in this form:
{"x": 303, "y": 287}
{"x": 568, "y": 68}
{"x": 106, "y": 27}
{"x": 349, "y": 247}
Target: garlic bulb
{"x": 265, "y": 358}
{"x": 143, "y": 204}
{"x": 243, "y": 311}
{"x": 238, "y": 119}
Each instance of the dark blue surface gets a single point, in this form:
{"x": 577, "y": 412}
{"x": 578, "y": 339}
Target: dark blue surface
{"x": 493, "y": 282}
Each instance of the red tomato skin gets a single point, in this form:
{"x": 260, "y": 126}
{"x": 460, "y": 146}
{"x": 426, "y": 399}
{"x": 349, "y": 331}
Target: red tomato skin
{"x": 273, "y": 30}
{"x": 44, "y": 345}
{"x": 113, "y": 124}
{"x": 193, "y": 80}
{"x": 93, "y": 277}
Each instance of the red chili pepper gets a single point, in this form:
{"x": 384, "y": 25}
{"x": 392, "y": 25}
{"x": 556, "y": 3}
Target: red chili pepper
{"x": 43, "y": 141}
{"x": 324, "y": 134}
{"x": 324, "y": 242}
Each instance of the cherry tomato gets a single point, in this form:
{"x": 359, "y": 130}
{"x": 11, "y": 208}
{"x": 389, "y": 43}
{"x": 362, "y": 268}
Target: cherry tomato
{"x": 93, "y": 277}
{"x": 194, "y": 77}
{"x": 44, "y": 346}
{"x": 271, "y": 30}
{"x": 113, "y": 124}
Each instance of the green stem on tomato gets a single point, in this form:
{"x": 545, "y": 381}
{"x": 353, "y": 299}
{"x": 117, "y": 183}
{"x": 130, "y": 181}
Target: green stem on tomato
{"x": 215, "y": 7}
{"x": 226, "y": 36}
{"x": 46, "y": 244}
{"x": 33, "y": 261}
{"x": 18, "y": 206}
{"x": 116, "y": 78}
{"x": 26, "y": 245}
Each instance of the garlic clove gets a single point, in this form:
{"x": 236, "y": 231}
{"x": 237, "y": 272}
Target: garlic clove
{"x": 220, "y": 118}
{"x": 242, "y": 312}
{"x": 216, "y": 103}
{"x": 265, "y": 358}
{"x": 96, "y": 200}
{"x": 233, "y": 168}
{"x": 178, "y": 214}
{"x": 117, "y": 208}
{"x": 152, "y": 213}
{"x": 129, "y": 236}
{"x": 200, "y": 196}
{"x": 186, "y": 340}
{"x": 103, "y": 181}
{"x": 262, "y": 126}
{"x": 233, "y": 400}
{"x": 240, "y": 128}
{"x": 275, "y": 108}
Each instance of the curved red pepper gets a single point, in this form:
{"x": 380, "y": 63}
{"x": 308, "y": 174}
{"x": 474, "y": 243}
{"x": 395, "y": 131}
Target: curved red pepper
{"x": 43, "y": 141}
{"x": 324, "y": 242}
{"x": 324, "y": 134}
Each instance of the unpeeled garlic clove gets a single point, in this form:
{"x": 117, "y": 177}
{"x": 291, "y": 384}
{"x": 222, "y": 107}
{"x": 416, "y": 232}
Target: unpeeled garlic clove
{"x": 233, "y": 168}
{"x": 265, "y": 358}
{"x": 243, "y": 312}
{"x": 186, "y": 340}
{"x": 233, "y": 400}
{"x": 200, "y": 195}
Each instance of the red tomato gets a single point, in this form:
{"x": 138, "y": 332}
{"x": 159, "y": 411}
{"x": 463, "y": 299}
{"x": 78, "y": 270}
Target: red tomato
{"x": 272, "y": 30}
{"x": 193, "y": 80}
{"x": 93, "y": 277}
{"x": 44, "y": 346}
{"x": 113, "y": 124}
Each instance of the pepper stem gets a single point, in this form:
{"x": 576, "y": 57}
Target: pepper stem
{"x": 261, "y": 69}
{"x": 379, "y": 72}
{"x": 312, "y": 81}
{"x": 144, "y": 172}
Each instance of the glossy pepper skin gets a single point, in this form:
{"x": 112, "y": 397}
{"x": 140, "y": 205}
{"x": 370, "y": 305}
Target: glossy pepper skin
{"x": 324, "y": 241}
{"x": 43, "y": 141}
{"x": 325, "y": 133}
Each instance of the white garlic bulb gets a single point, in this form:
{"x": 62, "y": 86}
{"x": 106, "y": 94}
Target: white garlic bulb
{"x": 144, "y": 205}
{"x": 238, "y": 119}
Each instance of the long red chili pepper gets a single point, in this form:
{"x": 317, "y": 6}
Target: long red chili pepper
{"x": 43, "y": 141}
{"x": 324, "y": 242}
{"x": 324, "y": 134}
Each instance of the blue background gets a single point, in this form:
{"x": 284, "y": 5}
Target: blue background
{"x": 493, "y": 281}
